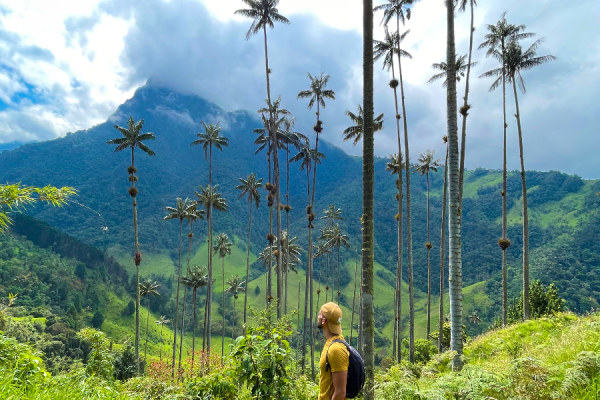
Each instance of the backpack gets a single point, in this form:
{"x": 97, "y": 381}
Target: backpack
{"x": 356, "y": 370}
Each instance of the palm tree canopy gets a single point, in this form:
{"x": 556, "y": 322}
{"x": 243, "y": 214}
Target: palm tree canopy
{"x": 132, "y": 137}
{"x": 296, "y": 139}
{"x": 321, "y": 248}
{"x": 149, "y": 288}
{"x": 222, "y": 245}
{"x": 264, "y": 13}
{"x": 335, "y": 237}
{"x": 196, "y": 278}
{"x": 317, "y": 91}
{"x": 355, "y": 132}
{"x": 235, "y": 285}
{"x": 518, "y": 60}
{"x": 388, "y": 48}
{"x": 193, "y": 213}
{"x": 502, "y": 33}
{"x": 209, "y": 198}
{"x": 307, "y": 156}
{"x": 268, "y": 254}
{"x": 461, "y": 67}
{"x": 162, "y": 320}
{"x": 210, "y": 137}
{"x": 426, "y": 163}
{"x": 182, "y": 210}
{"x": 250, "y": 186}
{"x": 395, "y": 8}
{"x": 273, "y": 117}
{"x": 331, "y": 214}
{"x": 462, "y": 4}
{"x": 396, "y": 164}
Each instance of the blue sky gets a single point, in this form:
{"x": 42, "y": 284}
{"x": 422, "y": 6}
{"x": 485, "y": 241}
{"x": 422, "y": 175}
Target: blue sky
{"x": 67, "y": 65}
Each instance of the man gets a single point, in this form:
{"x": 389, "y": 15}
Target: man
{"x": 332, "y": 385}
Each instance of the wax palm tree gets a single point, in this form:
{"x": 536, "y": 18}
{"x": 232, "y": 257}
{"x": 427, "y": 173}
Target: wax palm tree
{"x": 336, "y": 239}
{"x": 400, "y": 9}
{"x": 148, "y": 288}
{"x": 461, "y": 68}
{"x": 321, "y": 250}
{"x": 223, "y": 247}
{"x": 210, "y": 199}
{"x": 464, "y": 110}
{"x": 425, "y": 165}
{"x": 496, "y": 41}
{"x": 331, "y": 214}
{"x": 179, "y": 212}
{"x": 309, "y": 158}
{"x": 133, "y": 138}
{"x": 367, "y": 288}
{"x": 517, "y": 61}
{"x": 195, "y": 279}
{"x": 250, "y": 188}
{"x": 355, "y": 132}
{"x": 474, "y": 318}
{"x": 162, "y": 321}
{"x": 395, "y": 167}
{"x": 207, "y": 139}
{"x": 235, "y": 286}
{"x": 455, "y": 268}
{"x": 442, "y": 251}
{"x": 192, "y": 214}
{"x": 317, "y": 93}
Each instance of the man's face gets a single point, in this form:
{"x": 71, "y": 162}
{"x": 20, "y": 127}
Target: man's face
{"x": 320, "y": 320}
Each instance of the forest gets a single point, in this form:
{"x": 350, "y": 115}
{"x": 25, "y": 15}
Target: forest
{"x": 142, "y": 260}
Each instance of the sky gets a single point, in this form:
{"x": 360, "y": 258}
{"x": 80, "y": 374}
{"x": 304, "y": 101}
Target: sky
{"x": 66, "y": 65}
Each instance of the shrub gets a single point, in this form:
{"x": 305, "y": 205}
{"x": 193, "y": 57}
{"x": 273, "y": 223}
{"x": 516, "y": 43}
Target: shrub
{"x": 99, "y": 361}
{"x": 424, "y": 350}
{"x": 22, "y": 362}
{"x": 97, "y": 320}
{"x": 125, "y": 365}
{"x": 129, "y": 309}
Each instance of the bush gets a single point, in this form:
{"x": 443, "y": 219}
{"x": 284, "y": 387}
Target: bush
{"x": 424, "y": 350}
{"x": 125, "y": 365}
{"x": 99, "y": 360}
{"x": 97, "y": 320}
{"x": 129, "y": 309}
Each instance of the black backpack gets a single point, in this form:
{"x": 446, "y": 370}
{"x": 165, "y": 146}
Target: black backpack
{"x": 356, "y": 370}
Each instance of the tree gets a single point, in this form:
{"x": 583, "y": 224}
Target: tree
{"x": 235, "y": 286}
{"x": 455, "y": 267}
{"x": 14, "y": 198}
{"x": 425, "y": 165}
{"x": 336, "y": 239}
{"x": 496, "y": 40}
{"x": 355, "y": 132}
{"x": 196, "y": 278}
{"x": 331, "y": 214}
{"x": 133, "y": 138}
{"x": 400, "y": 9}
{"x": 367, "y": 248}
{"x": 396, "y": 166}
{"x": 249, "y": 188}
{"x": 162, "y": 321}
{"x": 474, "y": 318}
{"x": 223, "y": 247}
{"x": 97, "y": 320}
{"x": 461, "y": 67}
{"x": 179, "y": 212}
{"x": 210, "y": 200}
{"x": 442, "y": 249}
{"x": 147, "y": 289}
{"x": 518, "y": 60}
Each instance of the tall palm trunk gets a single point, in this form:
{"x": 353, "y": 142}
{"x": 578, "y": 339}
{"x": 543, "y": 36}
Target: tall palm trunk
{"x": 269, "y": 272}
{"x": 307, "y": 283}
{"x": 504, "y": 204}
{"x": 234, "y": 317}
{"x": 161, "y": 341}
{"x": 465, "y": 110}
{"x": 354, "y": 298}
{"x": 223, "y": 304}
{"x": 411, "y": 296}
{"x": 137, "y": 269}
{"x": 428, "y": 266}
{"x": 191, "y": 235}
{"x": 287, "y": 212}
{"x": 525, "y": 211}
{"x": 455, "y": 272}
{"x": 194, "y": 330}
{"x": 247, "y": 260}
{"x": 175, "y": 321}
{"x": 209, "y": 290}
{"x": 147, "y": 323}
{"x": 298, "y": 323}
{"x": 442, "y": 256}
{"x": 338, "y": 273}
{"x": 368, "y": 202}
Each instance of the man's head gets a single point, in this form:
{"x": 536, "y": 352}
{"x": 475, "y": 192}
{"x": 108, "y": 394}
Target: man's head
{"x": 330, "y": 318}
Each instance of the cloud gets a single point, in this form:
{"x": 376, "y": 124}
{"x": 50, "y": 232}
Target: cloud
{"x": 99, "y": 52}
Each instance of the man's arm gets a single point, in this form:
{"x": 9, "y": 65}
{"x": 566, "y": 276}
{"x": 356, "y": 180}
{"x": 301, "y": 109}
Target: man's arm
{"x": 338, "y": 379}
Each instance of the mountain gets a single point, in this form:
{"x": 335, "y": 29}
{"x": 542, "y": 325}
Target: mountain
{"x": 564, "y": 209}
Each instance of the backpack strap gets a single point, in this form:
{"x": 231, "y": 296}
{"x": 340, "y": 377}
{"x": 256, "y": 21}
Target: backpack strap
{"x": 327, "y": 366}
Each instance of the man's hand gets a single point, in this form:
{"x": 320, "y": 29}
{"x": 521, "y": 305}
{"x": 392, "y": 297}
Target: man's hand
{"x": 338, "y": 379}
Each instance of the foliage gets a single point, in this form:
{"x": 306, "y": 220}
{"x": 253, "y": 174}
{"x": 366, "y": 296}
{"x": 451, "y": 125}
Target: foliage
{"x": 125, "y": 365}
{"x": 542, "y": 302}
{"x": 97, "y": 320}
{"x": 99, "y": 361}
{"x": 21, "y": 362}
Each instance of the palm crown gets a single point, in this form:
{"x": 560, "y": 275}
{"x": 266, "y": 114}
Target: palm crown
{"x": 518, "y": 60}
{"x": 307, "y": 156}
{"x": 250, "y": 186}
{"x": 182, "y": 210}
{"x": 209, "y": 198}
{"x": 290, "y": 257}
{"x": 149, "y": 288}
{"x": 426, "y": 163}
{"x": 317, "y": 92}
{"x": 396, "y": 164}
{"x": 335, "y": 237}
{"x": 196, "y": 278}
{"x": 501, "y": 34}
{"x": 264, "y": 13}
{"x": 210, "y": 137}
{"x": 461, "y": 67}
{"x": 222, "y": 245}
{"x": 332, "y": 214}
{"x": 355, "y": 132}
{"x": 395, "y": 8}
{"x": 162, "y": 321}
{"x": 132, "y": 137}
{"x": 235, "y": 286}
{"x": 388, "y": 48}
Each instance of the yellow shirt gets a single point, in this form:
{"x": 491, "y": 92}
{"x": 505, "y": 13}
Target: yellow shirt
{"x": 338, "y": 361}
